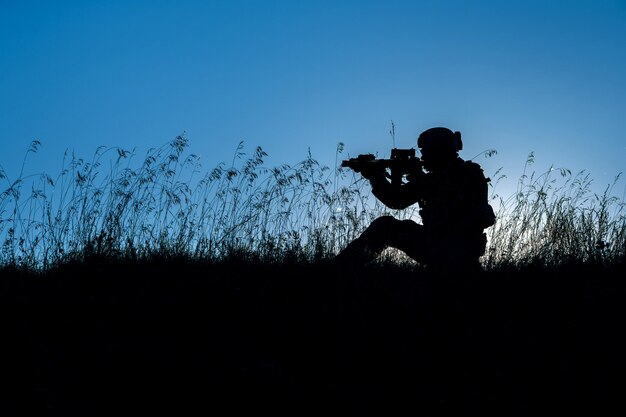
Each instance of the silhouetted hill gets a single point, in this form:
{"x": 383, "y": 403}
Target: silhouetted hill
{"x": 176, "y": 337}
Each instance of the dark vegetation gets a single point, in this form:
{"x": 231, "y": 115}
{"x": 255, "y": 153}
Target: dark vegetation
{"x": 146, "y": 292}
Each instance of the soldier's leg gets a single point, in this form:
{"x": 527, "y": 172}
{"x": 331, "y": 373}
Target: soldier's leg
{"x": 411, "y": 240}
{"x": 368, "y": 245}
{"x": 457, "y": 253}
{"x": 385, "y": 231}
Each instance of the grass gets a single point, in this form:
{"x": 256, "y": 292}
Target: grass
{"x": 159, "y": 289}
{"x": 553, "y": 218}
{"x": 175, "y": 336}
{"x": 167, "y": 205}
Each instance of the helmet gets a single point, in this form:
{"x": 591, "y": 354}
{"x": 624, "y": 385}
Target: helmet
{"x": 441, "y": 139}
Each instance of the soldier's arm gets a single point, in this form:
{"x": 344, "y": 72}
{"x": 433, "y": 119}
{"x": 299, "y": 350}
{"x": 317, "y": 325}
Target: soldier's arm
{"x": 397, "y": 197}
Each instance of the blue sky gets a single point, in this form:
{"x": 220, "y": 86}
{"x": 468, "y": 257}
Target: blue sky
{"x": 547, "y": 77}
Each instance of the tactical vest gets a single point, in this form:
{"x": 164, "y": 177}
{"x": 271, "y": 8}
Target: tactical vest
{"x": 456, "y": 202}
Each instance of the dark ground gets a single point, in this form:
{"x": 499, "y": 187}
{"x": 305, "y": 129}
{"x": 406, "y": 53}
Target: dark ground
{"x": 185, "y": 339}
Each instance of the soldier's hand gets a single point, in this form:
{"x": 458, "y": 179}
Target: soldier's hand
{"x": 373, "y": 173}
{"x": 416, "y": 176}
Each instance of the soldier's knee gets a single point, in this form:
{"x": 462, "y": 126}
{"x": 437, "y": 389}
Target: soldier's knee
{"x": 385, "y": 219}
{"x": 384, "y": 222}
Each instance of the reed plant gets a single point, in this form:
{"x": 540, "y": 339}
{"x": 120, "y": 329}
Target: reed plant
{"x": 554, "y": 219}
{"x": 167, "y": 205}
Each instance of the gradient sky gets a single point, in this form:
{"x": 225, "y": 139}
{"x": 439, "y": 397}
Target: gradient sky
{"x": 547, "y": 77}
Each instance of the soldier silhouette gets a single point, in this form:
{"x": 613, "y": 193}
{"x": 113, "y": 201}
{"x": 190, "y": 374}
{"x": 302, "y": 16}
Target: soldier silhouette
{"x": 453, "y": 198}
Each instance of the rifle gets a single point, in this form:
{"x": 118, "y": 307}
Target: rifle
{"x": 402, "y": 162}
